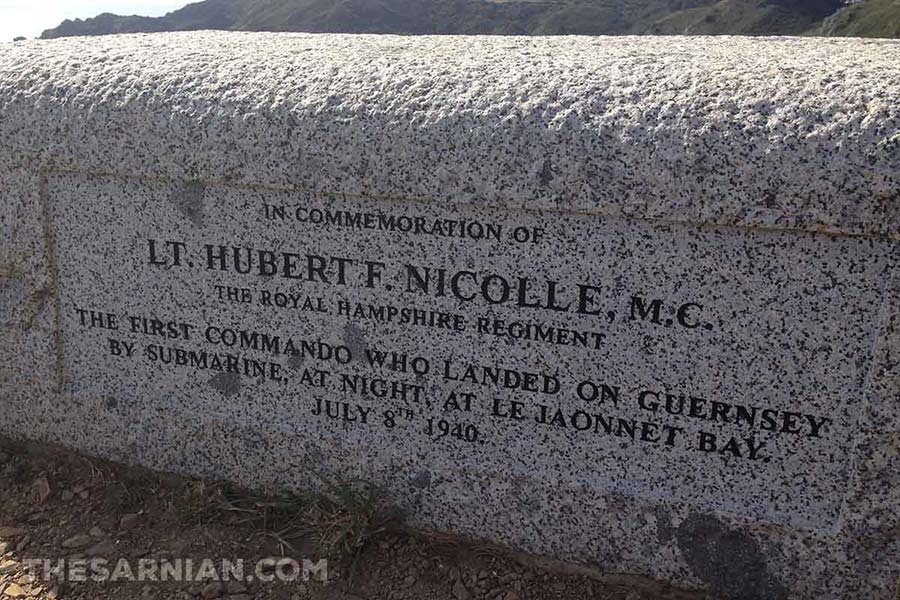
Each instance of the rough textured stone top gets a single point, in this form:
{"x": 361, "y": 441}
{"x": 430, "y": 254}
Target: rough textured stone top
{"x": 783, "y": 133}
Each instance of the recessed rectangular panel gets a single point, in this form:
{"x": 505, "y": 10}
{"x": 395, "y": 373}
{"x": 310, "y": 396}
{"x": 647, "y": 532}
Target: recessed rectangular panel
{"x": 723, "y": 368}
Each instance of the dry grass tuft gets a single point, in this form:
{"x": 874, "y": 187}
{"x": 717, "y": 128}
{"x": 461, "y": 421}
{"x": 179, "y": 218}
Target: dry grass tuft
{"x": 340, "y": 521}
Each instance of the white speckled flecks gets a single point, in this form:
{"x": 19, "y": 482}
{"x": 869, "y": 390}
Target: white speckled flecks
{"x": 787, "y": 133}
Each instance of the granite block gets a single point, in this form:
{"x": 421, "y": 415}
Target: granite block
{"x": 630, "y": 302}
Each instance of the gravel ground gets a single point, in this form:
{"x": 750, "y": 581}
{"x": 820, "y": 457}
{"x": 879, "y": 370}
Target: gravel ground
{"x": 101, "y": 517}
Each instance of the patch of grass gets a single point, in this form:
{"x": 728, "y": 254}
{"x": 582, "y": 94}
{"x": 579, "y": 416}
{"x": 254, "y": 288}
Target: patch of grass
{"x": 348, "y": 515}
{"x": 341, "y": 520}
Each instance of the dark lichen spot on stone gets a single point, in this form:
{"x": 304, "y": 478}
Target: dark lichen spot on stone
{"x": 729, "y": 560}
{"x": 353, "y": 337}
{"x": 546, "y": 175}
{"x": 664, "y": 530}
{"x": 295, "y": 361}
{"x": 314, "y": 452}
{"x": 227, "y": 383}
{"x": 422, "y": 480}
{"x": 521, "y": 493}
{"x": 112, "y": 403}
{"x": 528, "y": 504}
{"x": 252, "y": 441}
{"x": 13, "y": 293}
{"x": 188, "y": 198}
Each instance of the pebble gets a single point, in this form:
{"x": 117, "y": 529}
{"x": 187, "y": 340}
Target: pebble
{"x": 3, "y": 458}
{"x": 67, "y": 495}
{"x": 211, "y": 590}
{"x": 460, "y": 592}
{"x": 14, "y": 591}
{"x": 96, "y": 532}
{"x": 41, "y": 488}
{"x": 4, "y": 546}
{"x": 8, "y": 566}
{"x": 23, "y": 543}
{"x": 128, "y": 521}
{"x": 409, "y": 581}
{"x": 77, "y": 541}
{"x": 11, "y": 531}
{"x": 104, "y": 548}
{"x": 235, "y": 587}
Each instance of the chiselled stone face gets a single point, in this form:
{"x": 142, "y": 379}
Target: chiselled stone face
{"x": 718, "y": 367}
{"x": 630, "y": 301}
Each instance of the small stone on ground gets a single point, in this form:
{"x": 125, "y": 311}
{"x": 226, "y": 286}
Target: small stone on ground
{"x": 77, "y": 541}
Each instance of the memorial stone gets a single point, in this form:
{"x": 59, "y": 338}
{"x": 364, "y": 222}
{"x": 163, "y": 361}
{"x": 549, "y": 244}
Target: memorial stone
{"x": 628, "y": 302}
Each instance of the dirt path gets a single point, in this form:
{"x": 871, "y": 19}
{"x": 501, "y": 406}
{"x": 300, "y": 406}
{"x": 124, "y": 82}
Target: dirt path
{"x": 99, "y": 524}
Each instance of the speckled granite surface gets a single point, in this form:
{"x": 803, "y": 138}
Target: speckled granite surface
{"x": 752, "y": 186}
{"x": 760, "y": 132}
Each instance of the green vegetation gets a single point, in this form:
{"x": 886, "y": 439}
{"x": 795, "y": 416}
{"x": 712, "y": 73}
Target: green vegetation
{"x": 523, "y": 17}
{"x": 872, "y": 18}
{"x": 744, "y": 18}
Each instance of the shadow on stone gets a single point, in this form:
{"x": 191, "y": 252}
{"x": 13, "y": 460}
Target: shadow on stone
{"x": 189, "y": 200}
{"x": 730, "y": 561}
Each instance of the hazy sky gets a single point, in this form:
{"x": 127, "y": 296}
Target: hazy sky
{"x": 31, "y": 17}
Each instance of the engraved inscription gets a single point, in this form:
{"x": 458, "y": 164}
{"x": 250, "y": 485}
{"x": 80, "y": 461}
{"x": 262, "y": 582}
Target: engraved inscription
{"x": 566, "y": 347}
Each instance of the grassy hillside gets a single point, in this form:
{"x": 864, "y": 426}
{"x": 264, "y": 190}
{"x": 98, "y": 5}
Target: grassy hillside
{"x": 394, "y": 16}
{"x": 758, "y": 17}
{"x": 523, "y": 17}
{"x": 210, "y": 14}
{"x": 872, "y": 18}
